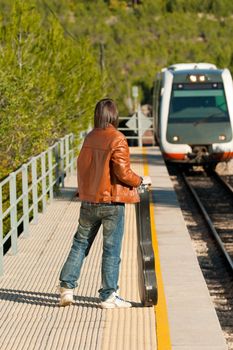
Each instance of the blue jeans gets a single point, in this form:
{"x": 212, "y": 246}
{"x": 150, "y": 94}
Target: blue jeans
{"x": 111, "y": 216}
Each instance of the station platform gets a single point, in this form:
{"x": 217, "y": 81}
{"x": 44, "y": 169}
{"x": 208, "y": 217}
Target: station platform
{"x": 184, "y": 318}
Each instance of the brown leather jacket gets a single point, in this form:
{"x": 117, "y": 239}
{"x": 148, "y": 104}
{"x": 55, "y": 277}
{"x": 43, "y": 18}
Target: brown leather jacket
{"x": 104, "y": 173}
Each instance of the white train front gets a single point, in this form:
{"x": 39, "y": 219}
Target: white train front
{"x": 193, "y": 111}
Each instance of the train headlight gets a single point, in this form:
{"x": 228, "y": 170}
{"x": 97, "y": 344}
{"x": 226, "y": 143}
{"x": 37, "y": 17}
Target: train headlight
{"x": 175, "y": 138}
{"x": 222, "y": 137}
{"x": 193, "y": 78}
{"x": 196, "y": 77}
{"x": 201, "y": 78}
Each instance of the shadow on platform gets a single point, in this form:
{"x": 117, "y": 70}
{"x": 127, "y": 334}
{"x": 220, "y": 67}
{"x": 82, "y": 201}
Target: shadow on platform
{"x": 49, "y": 299}
{"x": 66, "y": 193}
{"x": 44, "y": 299}
{"x": 164, "y": 197}
{"x": 149, "y": 158}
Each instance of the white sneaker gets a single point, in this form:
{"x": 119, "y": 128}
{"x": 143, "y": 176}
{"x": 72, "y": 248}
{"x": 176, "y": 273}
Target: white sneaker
{"x": 66, "y": 296}
{"x": 114, "y": 301}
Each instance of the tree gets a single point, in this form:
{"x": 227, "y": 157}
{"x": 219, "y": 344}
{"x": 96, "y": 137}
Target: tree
{"x": 49, "y": 83}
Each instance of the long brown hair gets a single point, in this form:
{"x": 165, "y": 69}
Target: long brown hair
{"x": 105, "y": 113}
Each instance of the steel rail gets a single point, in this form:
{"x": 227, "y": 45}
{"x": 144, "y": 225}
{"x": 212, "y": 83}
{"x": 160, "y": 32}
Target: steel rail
{"x": 209, "y": 222}
{"x": 223, "y": 182}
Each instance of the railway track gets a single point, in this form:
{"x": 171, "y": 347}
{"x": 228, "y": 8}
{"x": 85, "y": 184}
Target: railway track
{"x": 216, "y": 198}
{"x": 217, "y": 211}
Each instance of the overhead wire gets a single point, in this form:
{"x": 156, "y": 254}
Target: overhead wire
{"x": 68, "y": 32}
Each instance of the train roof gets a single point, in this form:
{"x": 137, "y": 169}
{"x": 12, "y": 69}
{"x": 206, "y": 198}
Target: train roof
{"x": 181, "y": 71}
{"x": 191, "y": 66}
{"x": 209, "y": 72}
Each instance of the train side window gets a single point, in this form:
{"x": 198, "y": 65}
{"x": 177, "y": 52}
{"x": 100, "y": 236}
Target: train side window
{"x": 221, "y": 103}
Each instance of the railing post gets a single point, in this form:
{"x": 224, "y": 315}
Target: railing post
{"x": 62, "y": 161}
{"x": 50, "y": 161}
{"x": 72, "y": 153}
{"x": 67, "y": 155}
{"x": 43, "y": 168}
{"x": 140, "y": 132}
{"x": 25, "y": 200}
{"x": 57, "y": 169}
{"x": 34, "y": 191}
{"x": 1, "y": 234}
{"x": 13, "y": 213}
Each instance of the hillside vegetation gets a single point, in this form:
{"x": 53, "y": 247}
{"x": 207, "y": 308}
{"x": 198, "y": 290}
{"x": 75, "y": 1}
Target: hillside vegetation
{"x": 57, "y": 58}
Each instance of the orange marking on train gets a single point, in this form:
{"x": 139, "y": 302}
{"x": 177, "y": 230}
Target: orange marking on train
{"x": 179, "y": 156}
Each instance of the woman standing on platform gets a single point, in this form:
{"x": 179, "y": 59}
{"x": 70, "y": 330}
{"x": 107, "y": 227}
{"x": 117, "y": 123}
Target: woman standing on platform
{"x": 105, "y": 182}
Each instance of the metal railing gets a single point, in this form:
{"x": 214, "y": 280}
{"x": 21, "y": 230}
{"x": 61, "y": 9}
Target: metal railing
{"x": 25, "y": 192}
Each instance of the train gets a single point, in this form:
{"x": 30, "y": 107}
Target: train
{"x": 193, "y": 113}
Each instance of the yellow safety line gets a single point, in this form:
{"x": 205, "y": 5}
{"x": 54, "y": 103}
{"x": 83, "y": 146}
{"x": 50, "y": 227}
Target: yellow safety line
{"x": 161, "y": 315}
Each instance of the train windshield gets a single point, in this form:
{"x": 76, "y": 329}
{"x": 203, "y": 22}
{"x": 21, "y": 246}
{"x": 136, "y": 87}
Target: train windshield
{"x": 193, "y": 104}
{"x": 198, "y": 114}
